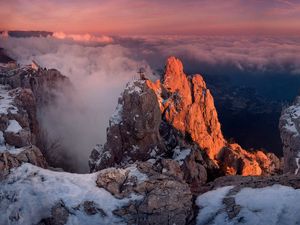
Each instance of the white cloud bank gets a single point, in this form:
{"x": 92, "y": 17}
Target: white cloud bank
{"x": 98, "y": 74}
{"x": 99, "y": 68}
{"x": 245, "y": 53}
{"x": 84, "y": 37}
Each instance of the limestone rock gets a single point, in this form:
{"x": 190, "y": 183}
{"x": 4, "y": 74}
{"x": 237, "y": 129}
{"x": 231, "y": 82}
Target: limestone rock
{"x": 239, "y": 182}
{"x": 20, "y": 139}
{"x": 29, "y": 154}
{"x": 234, "y": 160}
{"x": 190, "y": 108}
{"x": 160, "y": 194}
{"x": 59, "y": 215}
{"x": 18, "y": 129}
{"x": 134, "y": 128}
{"x": 155, "y": 120}
{"x": 289, "y": 126}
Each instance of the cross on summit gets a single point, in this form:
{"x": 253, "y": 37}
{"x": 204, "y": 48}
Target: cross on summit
{"x": 141, "y": 72}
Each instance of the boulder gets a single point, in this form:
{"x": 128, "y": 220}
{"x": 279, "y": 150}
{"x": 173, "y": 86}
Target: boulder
{"x": 14, "y": 158}
{"x": 159, "y": 194}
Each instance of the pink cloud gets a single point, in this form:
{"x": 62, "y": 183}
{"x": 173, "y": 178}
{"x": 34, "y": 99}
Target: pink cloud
{"x": 84, "y": 37}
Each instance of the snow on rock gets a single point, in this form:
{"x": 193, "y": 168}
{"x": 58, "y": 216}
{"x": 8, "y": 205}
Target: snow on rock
{"x": 272, "y": 205}
{"x": 133, "y": 130}
{"x": 29, "y": 193}
{"x": 11, "y": 149}
{"x": 133, "y": 171}
{"x": 297, "y": 163}
{"x": 134, "y": 86}
{"x": 180, "y": 154}
{"x": 116, "y": 117}
{"x": 2, "y": 142}
{"x": 13, "y": 126}
{"x": 210, "y": 205}
{"x": 289, "y": 126}
{"x": 6, "y": 101}
{"x": 7, "y": 148}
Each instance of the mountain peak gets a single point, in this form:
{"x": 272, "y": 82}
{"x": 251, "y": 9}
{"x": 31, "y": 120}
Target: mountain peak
{"x": 173, "y": 66}
{"x": 168, "y": 118}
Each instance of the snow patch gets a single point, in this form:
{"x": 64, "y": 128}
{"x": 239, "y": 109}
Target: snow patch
{"x": 154, "y": 152}
{"x": 134, "y": 171}
{"x": 30, "y": 192}
{"x": 135, "y": 148}
{"x": 210, "y": 204}
{"x": 297, "y": 163}
{"x": 133, "y": 87}
{"x": 11, "y": 149}
{"x": 271, "y": 205}
{"x": 116, "y": 117}
{"x": 2, "y": 140}
{"x": 6, "y": 101}
{"x": 13, "y": 127}
{"x": 180, "y": 154}
{"x": 7, "y": 148}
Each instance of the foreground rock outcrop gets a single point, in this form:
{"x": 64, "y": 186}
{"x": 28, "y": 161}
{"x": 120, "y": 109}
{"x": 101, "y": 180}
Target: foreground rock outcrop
{"x": 250, "y": 200}
{"x": 158, "y": 119}
{"x": 289, "y": 130}
{"x": 14, "y": 158}
{"x": 143, "y": 193}
{"x": 32, "y": 195}
{"x": 160, "y": 194}
{"x": 18, "y": 129}
{"x": 24, "y": 91}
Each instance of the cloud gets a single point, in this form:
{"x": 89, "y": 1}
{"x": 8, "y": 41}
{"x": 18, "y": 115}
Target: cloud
{"x": 100, "y": 68}
{"x": 99, "y": 74}
{"x": 255, "y": 54}
{"x": 84, "y": 37}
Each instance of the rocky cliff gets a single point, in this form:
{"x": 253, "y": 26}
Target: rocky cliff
{"x": 19, "y": 129}
{"x": 164, "y": 143}
{"x": 24, "y": 91}
{"x": 289, "y": 130}
{"x": 167, "y": 117}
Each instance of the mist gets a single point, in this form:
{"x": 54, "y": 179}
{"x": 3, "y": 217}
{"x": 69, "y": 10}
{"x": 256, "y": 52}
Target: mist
{"x": 100, "y": 66}
{"x": 98, "y": 73}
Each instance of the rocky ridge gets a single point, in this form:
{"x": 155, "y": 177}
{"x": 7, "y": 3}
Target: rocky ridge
{"x": 19, "y": 129}
{"x": 162, "y": 117}
{"x": 164, "y": 142}
{"x": 25, "y": 90}
{"x": 289, "y": 130}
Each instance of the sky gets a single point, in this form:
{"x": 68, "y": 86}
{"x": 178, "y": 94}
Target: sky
{"x": 143, "y": 17}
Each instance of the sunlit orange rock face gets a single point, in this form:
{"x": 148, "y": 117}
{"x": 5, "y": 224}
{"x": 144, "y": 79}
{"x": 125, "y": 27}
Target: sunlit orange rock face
{"x": 189, "y": 107}
{"x": 187, "y": 104}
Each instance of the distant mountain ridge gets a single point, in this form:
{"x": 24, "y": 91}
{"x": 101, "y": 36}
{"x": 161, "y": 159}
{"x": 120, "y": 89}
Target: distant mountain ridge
{"x": 22, "y": 33}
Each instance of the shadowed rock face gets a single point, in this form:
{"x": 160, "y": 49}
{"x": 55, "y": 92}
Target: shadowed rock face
{"x": 289, "y": 130}
{"x": 28, "y": 91}
{"x": 19, "y": 129}
{"x": 172, "y": 119}
{"x": 134, "y": 134}
{"x": 134, "y": 129}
